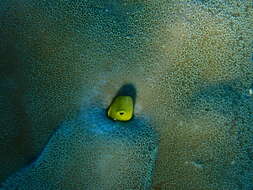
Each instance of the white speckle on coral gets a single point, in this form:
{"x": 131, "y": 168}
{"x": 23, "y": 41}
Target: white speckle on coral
{"x": 233, "y": 162}
{"x": 138, "y": 108}
{"x": 251, "y": 92}
{"x": 197, "y": 165}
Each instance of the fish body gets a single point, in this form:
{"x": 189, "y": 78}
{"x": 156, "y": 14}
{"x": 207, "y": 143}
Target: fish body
{"x": 121, "y": 108}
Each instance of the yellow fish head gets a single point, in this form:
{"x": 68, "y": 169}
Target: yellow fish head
{"x": 121, "y": 108}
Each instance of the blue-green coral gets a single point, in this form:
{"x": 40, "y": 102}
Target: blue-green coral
{"x": 189, "y": 60}
{"x": 93, "y": 152}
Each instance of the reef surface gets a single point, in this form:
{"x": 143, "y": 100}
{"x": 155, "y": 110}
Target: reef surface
{"x": 190, "y": 61}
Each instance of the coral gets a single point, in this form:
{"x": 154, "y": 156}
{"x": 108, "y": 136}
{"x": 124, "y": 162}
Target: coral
{"x": 190, "y": 61}
{"x": 93, "y": 152}
{"x": 209, "y": 147}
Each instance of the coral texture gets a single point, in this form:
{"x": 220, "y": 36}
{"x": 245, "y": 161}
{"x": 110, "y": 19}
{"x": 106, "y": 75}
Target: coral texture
{"x": 190, "y": 61}
{"x": 93, "y": 152}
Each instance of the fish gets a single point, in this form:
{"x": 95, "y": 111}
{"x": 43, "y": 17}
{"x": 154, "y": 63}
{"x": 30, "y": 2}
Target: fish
{"x": 121, "y": 108}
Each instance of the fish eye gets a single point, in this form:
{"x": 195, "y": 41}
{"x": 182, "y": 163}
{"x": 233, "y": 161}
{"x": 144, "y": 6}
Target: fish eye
{"x": 121, "y": 113}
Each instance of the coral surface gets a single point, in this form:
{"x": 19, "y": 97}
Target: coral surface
{"x": 190, "y": 61}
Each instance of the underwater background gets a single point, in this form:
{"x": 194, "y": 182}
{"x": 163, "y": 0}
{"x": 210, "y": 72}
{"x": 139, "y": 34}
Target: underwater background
{"x": 63, "y": 61}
